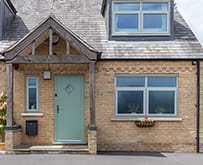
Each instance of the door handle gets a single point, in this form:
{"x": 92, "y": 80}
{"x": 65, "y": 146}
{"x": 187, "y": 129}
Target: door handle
{"x": 57, "y": 108}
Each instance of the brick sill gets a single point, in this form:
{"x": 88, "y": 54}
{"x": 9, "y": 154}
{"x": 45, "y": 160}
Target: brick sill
{"x": 155, "y": 119}
{"x": 32, "y": 114}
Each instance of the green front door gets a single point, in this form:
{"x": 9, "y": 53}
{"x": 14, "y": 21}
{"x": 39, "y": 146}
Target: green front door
{"x": 69, "y": 109}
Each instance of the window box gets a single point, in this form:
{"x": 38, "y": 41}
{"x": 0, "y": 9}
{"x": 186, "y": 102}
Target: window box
{"x": 2, "y": 146}
{"x": 146, "y": 122}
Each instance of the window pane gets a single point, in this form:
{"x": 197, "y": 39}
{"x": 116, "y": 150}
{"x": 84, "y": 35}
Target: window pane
{"x": 155, "y": 6}
{"x": 161, "y": 102}
{"x": 130, "y": 82}
{"x": 130, "y": 102}
{"x": 32, "y": 81}
{"x": 126, "y": 6}
{"x": 126, "y": 22}
{"x": 155, "y": 23}
{"x": 161, "y": 82}
{"x": 32, "y": 96}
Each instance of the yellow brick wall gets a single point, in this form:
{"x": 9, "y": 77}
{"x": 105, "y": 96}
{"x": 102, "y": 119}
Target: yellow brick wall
{"x": 164, "y": 136}
{"x": 46, "y": 122}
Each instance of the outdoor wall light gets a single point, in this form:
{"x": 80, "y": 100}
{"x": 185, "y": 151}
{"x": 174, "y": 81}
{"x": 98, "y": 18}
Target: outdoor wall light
{"x": 47, "y": 75}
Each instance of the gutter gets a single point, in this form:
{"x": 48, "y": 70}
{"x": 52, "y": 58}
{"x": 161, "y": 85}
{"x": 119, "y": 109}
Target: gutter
{"x": 197, "y": 63}
{"x": 150, "y": 59}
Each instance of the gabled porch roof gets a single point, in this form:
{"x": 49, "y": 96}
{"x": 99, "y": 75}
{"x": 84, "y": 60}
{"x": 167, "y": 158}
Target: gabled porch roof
{"x": 88, "y": 52}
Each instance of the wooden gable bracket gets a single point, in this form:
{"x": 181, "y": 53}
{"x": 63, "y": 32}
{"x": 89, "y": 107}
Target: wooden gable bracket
{"x": 33, "y": 48}
{"x": 51, "y": 23}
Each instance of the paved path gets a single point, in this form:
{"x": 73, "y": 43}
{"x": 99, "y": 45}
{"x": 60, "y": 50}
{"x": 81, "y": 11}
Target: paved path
{"x": 138, "y": 159}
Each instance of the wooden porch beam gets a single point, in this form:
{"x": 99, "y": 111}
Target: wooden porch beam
{"x": 49, "y": 59}
{"x": 9, "y": 112}
{"x": 50, "y": 41}
{"x": 92, "y": 94}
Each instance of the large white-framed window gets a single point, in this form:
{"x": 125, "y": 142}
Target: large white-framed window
{"x": 146, "y": 95}
{"x": 135, "y": 17}
{"x": 32, "y": 93}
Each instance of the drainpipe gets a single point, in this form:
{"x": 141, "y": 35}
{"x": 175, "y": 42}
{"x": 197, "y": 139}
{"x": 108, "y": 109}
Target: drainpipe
{"x": 197, "y": 63}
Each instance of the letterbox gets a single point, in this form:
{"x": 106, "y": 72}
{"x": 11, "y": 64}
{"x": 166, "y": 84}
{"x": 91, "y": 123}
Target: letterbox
{"x": 31, "y": 127}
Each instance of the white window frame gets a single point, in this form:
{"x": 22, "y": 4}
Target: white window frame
{"x": 27, "y": 93}
{"x": 146, "y": 90}
{"x": 140, "y": 18}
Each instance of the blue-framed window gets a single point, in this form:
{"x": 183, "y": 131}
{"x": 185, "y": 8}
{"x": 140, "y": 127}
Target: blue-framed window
{"x": 32, "y": 93}
{"x": 132, "y": 17}
{"x": 146, "y": 95}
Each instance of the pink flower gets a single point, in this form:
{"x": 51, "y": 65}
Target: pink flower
{"x": 146, "y": 118}
{"x": 2, "y": 94}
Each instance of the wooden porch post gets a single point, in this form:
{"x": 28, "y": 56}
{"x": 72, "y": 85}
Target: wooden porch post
{"x": 92, "y": 125}
{"x": 50, "y": 41}
{"x": 9, "y": 74}
{"x": 92, "y": 131}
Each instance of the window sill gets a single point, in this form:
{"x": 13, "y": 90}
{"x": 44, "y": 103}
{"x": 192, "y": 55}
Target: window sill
{"x": 164, "y": 119}
{"x": 32, "y": 114}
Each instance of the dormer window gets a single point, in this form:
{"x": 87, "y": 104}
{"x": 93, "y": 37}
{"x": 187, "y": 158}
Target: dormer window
{"x": 140, "y": 18}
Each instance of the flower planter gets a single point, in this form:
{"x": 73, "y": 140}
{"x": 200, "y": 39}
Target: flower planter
{"x": 144, "y": 123}
{"x": 2, "y": 146}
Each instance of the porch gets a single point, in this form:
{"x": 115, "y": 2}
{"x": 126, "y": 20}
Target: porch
{"x": 70, "y": 58}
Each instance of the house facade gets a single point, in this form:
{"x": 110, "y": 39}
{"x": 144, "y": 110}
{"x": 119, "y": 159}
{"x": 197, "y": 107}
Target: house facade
{"x": 81, "y": 77}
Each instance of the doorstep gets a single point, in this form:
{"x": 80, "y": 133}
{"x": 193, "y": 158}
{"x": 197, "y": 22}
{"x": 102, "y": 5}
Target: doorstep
{"x": 48, "y": 149}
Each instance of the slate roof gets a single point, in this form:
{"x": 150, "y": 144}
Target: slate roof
{"x": 84, "y": 18}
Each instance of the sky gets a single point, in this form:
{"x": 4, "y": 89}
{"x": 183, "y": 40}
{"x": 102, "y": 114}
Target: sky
{"x": 192, "y": 11}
